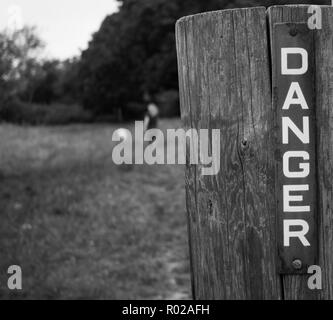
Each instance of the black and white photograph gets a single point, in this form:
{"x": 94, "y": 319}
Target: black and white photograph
{"x": 166, "y": 150}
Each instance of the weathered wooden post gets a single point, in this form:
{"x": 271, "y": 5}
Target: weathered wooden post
{"x": 256, "y": 226}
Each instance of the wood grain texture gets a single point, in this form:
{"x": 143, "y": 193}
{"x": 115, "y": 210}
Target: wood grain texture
{"x": 224, "y": 79}
{"x": 295, "y": 287}
{"x": 224, "y": 76}
{"x": 324, "y": 101}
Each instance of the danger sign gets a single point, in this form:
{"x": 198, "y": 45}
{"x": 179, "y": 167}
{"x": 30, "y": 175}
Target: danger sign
{"x": 295, "y": 146}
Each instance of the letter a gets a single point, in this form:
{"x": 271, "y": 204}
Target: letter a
{"x": 15, "y": 281}
{"x": 315, "y": 21}
{"x": 315, "y": 281}
{"x": 300, "y": 99}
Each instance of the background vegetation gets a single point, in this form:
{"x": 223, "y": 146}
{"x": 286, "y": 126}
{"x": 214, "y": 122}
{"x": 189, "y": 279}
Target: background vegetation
{"x": 81, "y": 227}
{"x": 133, "y": 52}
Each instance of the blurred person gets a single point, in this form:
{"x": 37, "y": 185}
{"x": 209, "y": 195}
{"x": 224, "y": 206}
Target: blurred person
{"x": 151, "y": 115}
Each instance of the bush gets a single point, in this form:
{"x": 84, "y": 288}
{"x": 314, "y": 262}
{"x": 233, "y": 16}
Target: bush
{"x": 134, "y": 111}
{"x": 41, "y": 114}
{"x": 168, "y": 103}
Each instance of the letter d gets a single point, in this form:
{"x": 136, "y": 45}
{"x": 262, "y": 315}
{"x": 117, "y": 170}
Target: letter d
{"x": 285, "y": 52}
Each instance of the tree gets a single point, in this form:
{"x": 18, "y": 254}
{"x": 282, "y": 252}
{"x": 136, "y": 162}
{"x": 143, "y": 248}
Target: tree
{"x": 134, "y": 51}
{"x": 18, "y": 62}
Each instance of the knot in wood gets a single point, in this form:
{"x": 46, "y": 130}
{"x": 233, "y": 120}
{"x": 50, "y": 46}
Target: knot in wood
{"x": 245, "y": 145}
{"x": 210, "y": 207}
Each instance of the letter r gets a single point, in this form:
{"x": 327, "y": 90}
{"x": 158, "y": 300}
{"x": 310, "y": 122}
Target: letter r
{"x": 287, "y": 234}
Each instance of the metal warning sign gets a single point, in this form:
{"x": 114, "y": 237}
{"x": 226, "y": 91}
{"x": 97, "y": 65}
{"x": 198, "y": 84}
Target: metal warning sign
{"x": 295, "y": 152}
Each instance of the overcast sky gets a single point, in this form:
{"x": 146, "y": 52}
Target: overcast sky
{"x": 64, "y": 25}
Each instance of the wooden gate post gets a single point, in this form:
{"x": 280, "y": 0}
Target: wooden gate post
{"x": 234, "y": 217}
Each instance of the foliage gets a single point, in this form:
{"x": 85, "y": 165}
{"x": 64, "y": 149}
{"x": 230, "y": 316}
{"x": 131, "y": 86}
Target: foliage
{"x": 58, "y": 82}
{"x": 82, "y": 228}
{"x": 134, "y": 51}
{"x": 29, "y": 86}
{"x": 18, "y": 64}
{"x": 16, "y": 111}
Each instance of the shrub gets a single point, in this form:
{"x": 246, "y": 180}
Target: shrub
{"x": 18, "y": 112}
{"x": 168, "y": 103}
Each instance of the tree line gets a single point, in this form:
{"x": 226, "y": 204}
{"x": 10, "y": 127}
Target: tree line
{"x": 131, "y": 54}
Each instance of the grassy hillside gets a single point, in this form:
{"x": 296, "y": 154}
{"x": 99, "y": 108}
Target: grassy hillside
{"x": 83, "y": 228}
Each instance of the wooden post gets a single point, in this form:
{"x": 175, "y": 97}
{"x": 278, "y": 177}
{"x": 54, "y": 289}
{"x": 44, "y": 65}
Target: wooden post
{"x": 226, "y": 75}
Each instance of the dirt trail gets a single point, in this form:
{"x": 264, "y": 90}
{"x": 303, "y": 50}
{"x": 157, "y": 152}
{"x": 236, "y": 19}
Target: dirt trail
{"x": 179, "y": 279}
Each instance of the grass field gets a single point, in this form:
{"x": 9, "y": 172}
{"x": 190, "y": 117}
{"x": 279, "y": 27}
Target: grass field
{"x": 81, "y": 227}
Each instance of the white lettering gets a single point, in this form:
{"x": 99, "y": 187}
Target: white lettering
{"x": 303, "y": 135}
{"x": 300, "y": 99}
{"x": 295, "y": 234}
{"x": 305, "y": 167}
{"x": 285, "y": 52}
{"x": 287, "y": 198}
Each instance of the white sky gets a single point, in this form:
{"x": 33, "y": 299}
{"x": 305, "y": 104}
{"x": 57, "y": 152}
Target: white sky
{"x": 65, "y": 26}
